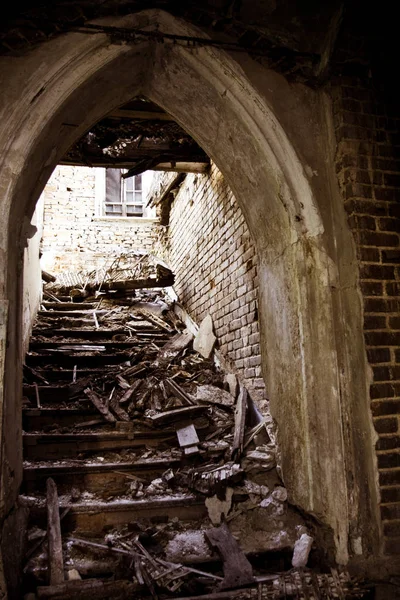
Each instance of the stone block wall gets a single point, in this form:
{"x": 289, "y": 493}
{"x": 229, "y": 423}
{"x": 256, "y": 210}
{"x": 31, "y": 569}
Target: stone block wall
{"x": 215, "y": 266}
{"x": 74, "y": 237}
{"x": 368, "y": 167}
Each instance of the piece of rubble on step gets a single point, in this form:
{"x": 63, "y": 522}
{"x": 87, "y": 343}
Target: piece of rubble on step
{"x": 214, "y": 395}
{"x": 205, "y": 338}
{"x": 188, "y": 439}
{"x": 237, "y": 569}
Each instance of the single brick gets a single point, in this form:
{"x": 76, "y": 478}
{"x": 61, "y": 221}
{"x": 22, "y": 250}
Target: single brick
{"x": 391, "y": 477}
{"x": 373, "y": 305}
{"x": 388, "y": 224}
{"x": 391, "y": 528}
{"x": 388, "y": 443}
{"x": 392, "y": 546}
{"x": 378, "y": 355}
{"x": 372, "y": 288}
{"x": 376, "y": 272}
{"x": 389, "y": 461}
{"x": 382, "y": 338}
{"x": 374, "y": 322}
{"x": 393, "y": 288}
{"x": 390, "y": 495}
{"x": 391, "y": 256}
{"x": 369, "y": 254}
{"x": 385, "y": 407}
{"x": 382, "y": 390}
{"x": 394, "y": 322}
{"x": 386, "y": 425}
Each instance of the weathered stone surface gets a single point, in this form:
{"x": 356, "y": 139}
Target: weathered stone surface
{"x": 214, "y": 395}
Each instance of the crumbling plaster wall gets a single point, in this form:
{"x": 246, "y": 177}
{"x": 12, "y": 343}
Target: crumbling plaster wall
{"x": 215, "y": 264}
{"x": 275, "y": 146}
{"x": 75, "y": 237}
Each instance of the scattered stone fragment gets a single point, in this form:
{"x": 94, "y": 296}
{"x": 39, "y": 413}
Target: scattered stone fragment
{"x": 302, "y": 550}
{"x": 205, "y": 339}
{"x": 214, "y": 395}
{"x": 218, "y": 508}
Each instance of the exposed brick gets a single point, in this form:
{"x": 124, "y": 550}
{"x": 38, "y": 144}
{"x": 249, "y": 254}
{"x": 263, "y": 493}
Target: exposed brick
{"x": 373, "y": 305}
{"x": 386, "y": 425}
{"x": 390, "y": 495}
{"x": 392, "y": 528}
{"x": 388, "y": 224}
{"x": 394, "y": 322}
{"x": 382, "y": 338}
{"x": 374, "y": 322}
{"x": 369, "y": 254}
{"x": 389, "y": 461}
{"x": 385, "y": 407}
{"x": 376, "y": 272}
{"x": 388, "y": 443}
{"x": 371, "y": 288}
{"x": 391, "y": 256}
{"x": 392, "y": 546}
{"x": 378, "y": 355}
{"x": 393, "y": 288}
{"x": 391, "y": 477}
{"x": 382, "y": 390}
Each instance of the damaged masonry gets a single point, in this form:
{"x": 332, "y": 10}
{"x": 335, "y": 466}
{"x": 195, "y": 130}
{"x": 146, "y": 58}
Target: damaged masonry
{"x": 149, "y": 472}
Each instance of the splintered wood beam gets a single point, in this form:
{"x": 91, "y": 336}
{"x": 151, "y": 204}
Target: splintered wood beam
{"x": 240, "y": 421}
{"x": 140, "y": 114}
{"x": 56, "y": 562}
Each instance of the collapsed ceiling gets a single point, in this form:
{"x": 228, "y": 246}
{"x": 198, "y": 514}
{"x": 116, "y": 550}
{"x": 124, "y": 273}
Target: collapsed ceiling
{"x": 138, "y": 136}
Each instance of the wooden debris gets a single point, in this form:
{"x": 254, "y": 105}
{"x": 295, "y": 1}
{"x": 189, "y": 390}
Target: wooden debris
{"x": 56, "y": 562}
{"x": 155, "y": 320}
{"x": 237, "y": 569}
{"x": 130, "y": 391}
{"x": 214, "y": 395}
{"x": 37, "y": 396}
{"x": 99, "y": 404}
{"x": 188, "y": 439}
{"x": 177, "y": 391}
{"x": 48, "y": 277}
{"x": 172, "y": 416}
{"x": 240, "y": 421}
{"x": 115, "y": 407}
{"x": 174, "y": 347}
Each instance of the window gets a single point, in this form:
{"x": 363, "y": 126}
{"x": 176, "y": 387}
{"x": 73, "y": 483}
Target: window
{"x": 124, "y": 197}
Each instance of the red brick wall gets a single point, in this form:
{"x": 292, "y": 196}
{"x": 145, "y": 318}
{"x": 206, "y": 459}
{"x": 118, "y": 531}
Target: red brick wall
{"x": 368, "y": 169}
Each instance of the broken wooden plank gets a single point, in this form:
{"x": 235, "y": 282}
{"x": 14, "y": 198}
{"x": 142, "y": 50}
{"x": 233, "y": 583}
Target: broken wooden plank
{"x": 155, "y": 320}
{"x": 174, "y": 347}
{"x": 99, "y": 404}
{"x": 56, "y": 562}
{"x": 48, "y": 277}
{"x": 214, "y": 395}
{"x": 116, "y": 408}
{"x": 130, "y": 391}
{"x": 171, "y": 416}
{"x": 237, "y": 569}
{"x": 179, "y": 392}
{"x": 240, "y": 421}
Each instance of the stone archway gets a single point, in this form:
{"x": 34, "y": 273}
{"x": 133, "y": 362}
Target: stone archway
{"x": 271, "y": 142}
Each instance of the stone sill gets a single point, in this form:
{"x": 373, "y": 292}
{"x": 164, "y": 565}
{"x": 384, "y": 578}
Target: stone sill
{"x": 133, "y": 220}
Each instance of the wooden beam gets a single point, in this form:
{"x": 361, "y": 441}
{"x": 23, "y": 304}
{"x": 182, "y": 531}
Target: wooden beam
{"x": 140, "y": 114}
{"x": 56, "y": 562}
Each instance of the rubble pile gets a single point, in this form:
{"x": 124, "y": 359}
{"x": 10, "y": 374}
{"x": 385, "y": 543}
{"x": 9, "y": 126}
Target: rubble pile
{"x": 149, "y": 472}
